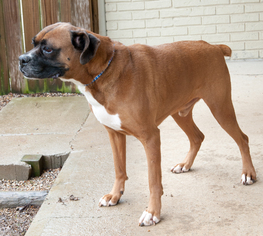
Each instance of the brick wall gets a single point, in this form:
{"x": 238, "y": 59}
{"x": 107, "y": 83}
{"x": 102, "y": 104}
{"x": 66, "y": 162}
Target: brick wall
{"x": 237, "y": 23}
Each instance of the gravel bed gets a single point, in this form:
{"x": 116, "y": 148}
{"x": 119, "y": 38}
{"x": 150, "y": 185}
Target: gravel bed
{"x": 43, "y": 182}
{"x": 16, "y": 221}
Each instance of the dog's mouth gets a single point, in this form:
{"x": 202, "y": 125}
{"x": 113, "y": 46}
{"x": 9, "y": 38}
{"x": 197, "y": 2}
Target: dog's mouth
{"x": 28, "y": 76}
{"x": 58, "y": 74}
{"x": 55, "y": 76}
{"x": 34, "y": 74}
{"x": 36, "y": 67}
{"x": 24, "y": 72}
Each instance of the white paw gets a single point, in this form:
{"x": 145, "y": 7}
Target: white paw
{"x": 246, "y": 180}
{"x": 179, "y": 169}
{"x": 105, "y": 203}
{"x": 148, "y": 219}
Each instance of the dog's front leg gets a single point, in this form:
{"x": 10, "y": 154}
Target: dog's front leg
{"x": 118, "y": 145}
{"x": 152, "y": 146}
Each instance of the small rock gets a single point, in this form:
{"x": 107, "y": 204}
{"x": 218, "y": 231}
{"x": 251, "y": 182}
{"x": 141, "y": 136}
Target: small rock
{"x": 60, "y": 200}
{"x": 72, "y": 198}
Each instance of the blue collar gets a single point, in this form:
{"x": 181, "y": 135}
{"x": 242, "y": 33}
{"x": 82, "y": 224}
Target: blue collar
{"x": 100, "y": 74}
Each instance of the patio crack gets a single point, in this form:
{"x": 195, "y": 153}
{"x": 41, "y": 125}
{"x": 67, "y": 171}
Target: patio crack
{"x": 71, "y": 145}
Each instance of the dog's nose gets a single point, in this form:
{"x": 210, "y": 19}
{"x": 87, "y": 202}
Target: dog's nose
{"x": 24, "y": 59}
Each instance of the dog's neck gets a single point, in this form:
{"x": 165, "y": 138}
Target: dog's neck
{"x": 100, "y": 66}
{"x": 101, "y": 73}
{"x": 100, "y": 61}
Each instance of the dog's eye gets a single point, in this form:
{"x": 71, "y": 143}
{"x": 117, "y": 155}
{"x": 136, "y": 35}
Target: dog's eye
{"x": 47, "y": 50}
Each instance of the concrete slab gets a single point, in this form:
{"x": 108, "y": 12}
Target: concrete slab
{"x": 21, "y": 171}
{"x": 209, "y": 200}
{"x": 44, "y": 126}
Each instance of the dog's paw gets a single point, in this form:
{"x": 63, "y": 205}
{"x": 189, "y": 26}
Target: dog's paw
{"x": 246, "y": 180}
{"x": 108, "y": 200}
{"x": 148, "y": 219}
{"x": 179, "y": 169}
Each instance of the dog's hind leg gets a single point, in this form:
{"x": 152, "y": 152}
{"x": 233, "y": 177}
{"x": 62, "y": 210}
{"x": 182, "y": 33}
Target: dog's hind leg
{"x": 221, "y": 106}
{"x": 118, "y": 144}
{"x": 195, "y": 137}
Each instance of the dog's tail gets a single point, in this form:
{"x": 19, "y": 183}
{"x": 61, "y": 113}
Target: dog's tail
{"x": 225, "y": 49}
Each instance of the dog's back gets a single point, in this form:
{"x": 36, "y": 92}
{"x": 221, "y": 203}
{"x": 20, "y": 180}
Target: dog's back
{"x": 188, "y": 66}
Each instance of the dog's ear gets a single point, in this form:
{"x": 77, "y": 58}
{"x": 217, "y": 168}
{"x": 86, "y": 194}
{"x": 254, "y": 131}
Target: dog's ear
{"x": 86, "y": 43}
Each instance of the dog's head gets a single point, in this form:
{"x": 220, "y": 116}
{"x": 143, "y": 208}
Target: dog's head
{"x": 59, "y": 50}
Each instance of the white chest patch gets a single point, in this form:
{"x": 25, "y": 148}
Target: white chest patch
{"x": 112, "y": 121}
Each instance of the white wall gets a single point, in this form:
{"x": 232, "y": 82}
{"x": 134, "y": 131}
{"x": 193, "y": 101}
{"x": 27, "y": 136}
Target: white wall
{"x": 237, "y": 23}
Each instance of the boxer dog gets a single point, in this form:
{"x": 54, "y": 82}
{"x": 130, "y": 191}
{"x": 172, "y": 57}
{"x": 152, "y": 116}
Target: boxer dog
{"x": 132, "y": 89}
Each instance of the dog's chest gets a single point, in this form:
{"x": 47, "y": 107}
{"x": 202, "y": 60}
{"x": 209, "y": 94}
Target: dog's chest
{"x": 112, "y": 121}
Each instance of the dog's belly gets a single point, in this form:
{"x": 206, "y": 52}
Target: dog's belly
{"x": 112, "y": 121}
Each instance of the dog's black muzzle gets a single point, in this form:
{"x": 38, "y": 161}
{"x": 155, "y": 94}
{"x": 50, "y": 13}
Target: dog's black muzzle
{"x": 33, "y": 66}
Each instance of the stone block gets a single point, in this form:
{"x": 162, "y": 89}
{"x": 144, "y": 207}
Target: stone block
{"x": 229, "y": 9}
{"x": 139, "y": 15}
{"x": 158, "y": 4}
{"x": 244, "y": 36}
{"x": 18, "y": 172}
{"x": 229, "y": 28}
{"x": 130, "y": 6}
{"x": 118, "y": 16}
{"x": 54, "y": 161}
{"x": 136, "y": 24}
{"x": 36, "y": 162}
{"x": 206, "y": 20}
{"x": 254, "y": 7}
